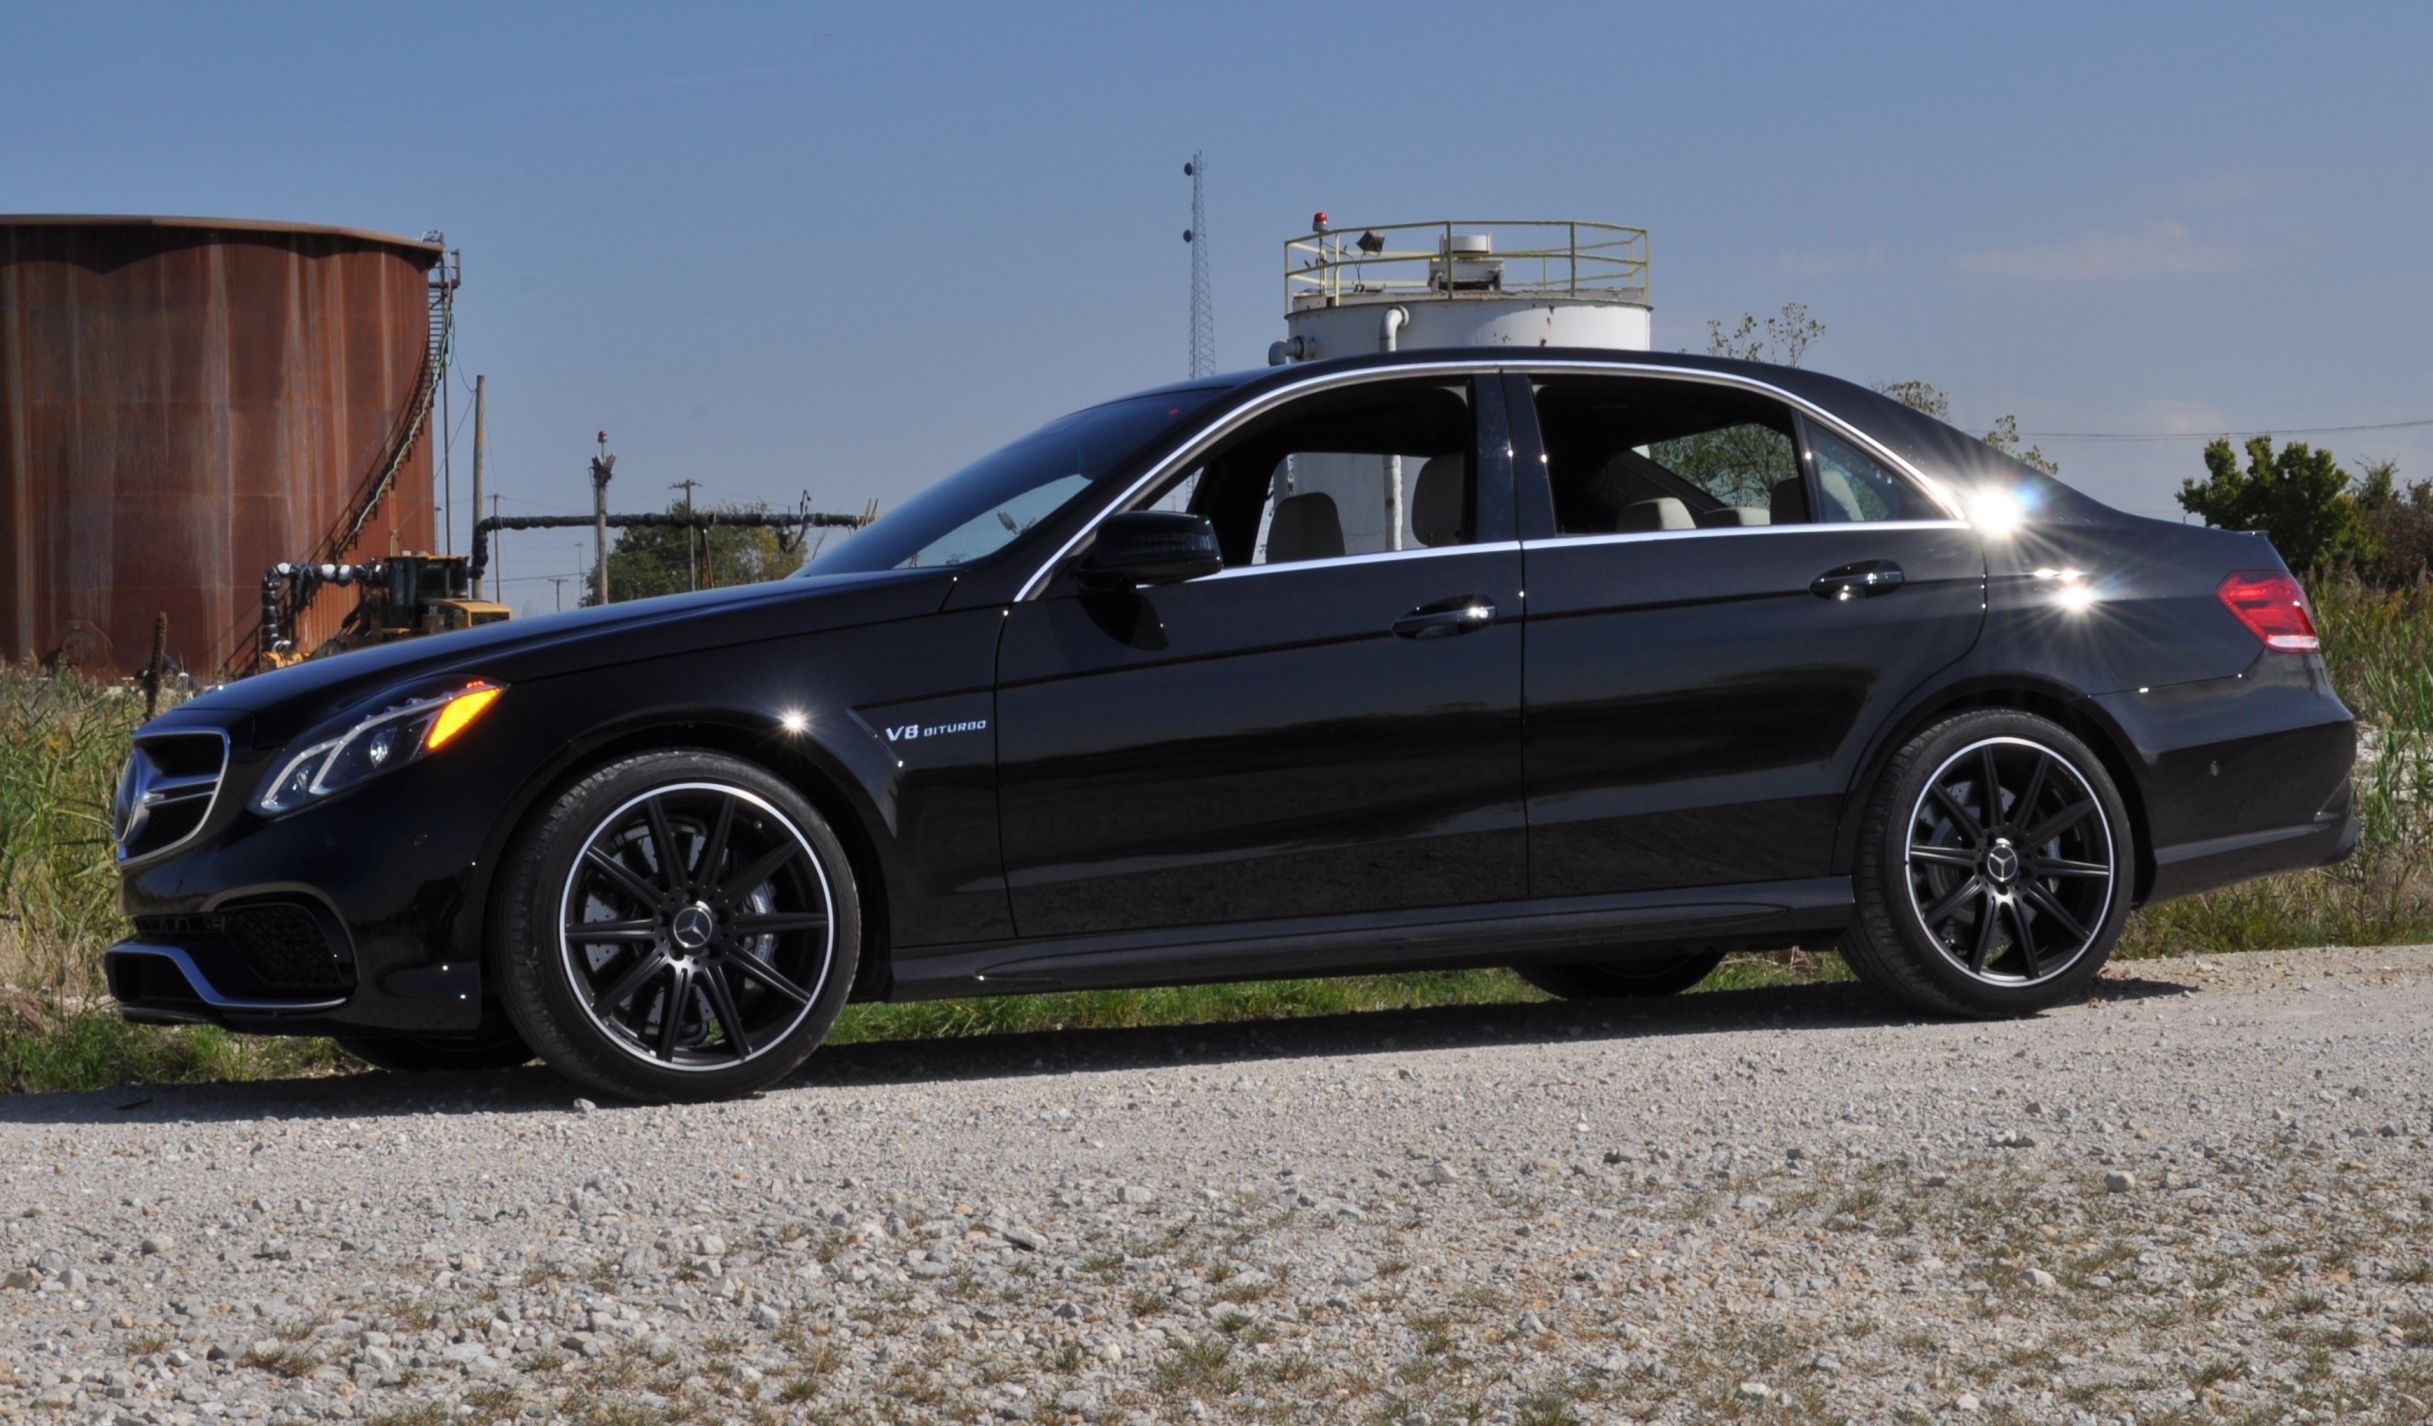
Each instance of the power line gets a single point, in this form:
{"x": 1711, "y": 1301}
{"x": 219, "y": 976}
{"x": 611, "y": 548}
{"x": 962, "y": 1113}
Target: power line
{"x": 2219, "y": 435}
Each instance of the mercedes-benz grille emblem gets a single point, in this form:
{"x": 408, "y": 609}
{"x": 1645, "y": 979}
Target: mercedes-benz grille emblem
{"x": 130, "y": 809}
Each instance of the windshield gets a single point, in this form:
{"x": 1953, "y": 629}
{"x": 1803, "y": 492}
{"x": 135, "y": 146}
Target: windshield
{"x": 984, "y": 506}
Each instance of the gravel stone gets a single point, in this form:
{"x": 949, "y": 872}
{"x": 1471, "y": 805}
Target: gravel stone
{"x": 1504, "y": 1214}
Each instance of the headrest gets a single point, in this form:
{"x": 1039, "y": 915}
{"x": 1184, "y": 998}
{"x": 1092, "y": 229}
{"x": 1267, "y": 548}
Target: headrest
{"x": 1440, "y": 501}
{"x": 1731, "y": 516}
{"x": 1304, "y": 527}
{"x": 1662, "y": 513}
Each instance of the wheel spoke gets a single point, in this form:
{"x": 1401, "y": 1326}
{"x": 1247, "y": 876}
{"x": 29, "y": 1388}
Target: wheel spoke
{"x": 2025, "y": 807}
{"x": 624, "y": 876}
{"x": 762, "y": 869}
{"x": 1990, "y": 787}
{"x": 645, "y": 966}
{"x": 757, "y": 970}
{"x": 1960, "y": 857}
{"x": 766, "y": 923}
{"x": 1961, "y": 817}
{"x": 672, "y": 1008}
{"x": 2051, "y": 906}
{"x": 2027, "y": 936}
{"x": 714, "y": 849}
{"x": 1942, "y": 910}
{"x": 663, "y": 846}
{"x": 2063, "y": 866}
{"x": 1989, "y": 912}
{"x": 730, "y": 1020}
{"x": 601, "y": 933}
{"x": 2060, "y": 822}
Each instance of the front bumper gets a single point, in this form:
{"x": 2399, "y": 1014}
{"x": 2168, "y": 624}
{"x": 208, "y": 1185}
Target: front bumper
{"x": 360, "y": 915}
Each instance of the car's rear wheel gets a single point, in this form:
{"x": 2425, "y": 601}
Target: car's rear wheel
{"x": 677, "y": 925}
{"x": 1994, "y": 868}
{"x": 1622, "y": 980}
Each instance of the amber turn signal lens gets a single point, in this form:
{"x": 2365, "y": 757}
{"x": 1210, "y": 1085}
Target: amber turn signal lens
{"x": 460, "y": 713}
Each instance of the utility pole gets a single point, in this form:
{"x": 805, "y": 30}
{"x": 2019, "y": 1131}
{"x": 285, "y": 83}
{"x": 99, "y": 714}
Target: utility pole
{"x": 692, "y": 571}
{"x": 603, "y": 466}
{"x": 498, "y": 556}
{"x": 1203, "y": 310}
{"x": 479, "y": 382}
{"x": 557, "y": 586}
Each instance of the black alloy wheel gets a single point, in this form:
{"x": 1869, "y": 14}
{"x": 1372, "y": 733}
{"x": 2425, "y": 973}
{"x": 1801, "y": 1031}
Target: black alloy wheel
{"x": 1991, "y": 871}
{"x": 700, "y": 932}
{"x": 1622, "y": 979}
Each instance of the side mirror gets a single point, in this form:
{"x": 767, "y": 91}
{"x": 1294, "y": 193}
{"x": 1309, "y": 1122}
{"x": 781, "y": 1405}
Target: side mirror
{"x": 1141, "y": 547}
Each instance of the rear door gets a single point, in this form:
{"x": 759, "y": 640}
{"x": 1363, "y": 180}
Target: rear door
{"x": 1726, "y": 599}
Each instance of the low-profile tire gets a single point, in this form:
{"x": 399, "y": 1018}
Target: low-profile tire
{"x": 1994, "y": 868}
{"x": 678, "y": 925}
{"x": 496, "y": 1047}
{"x": 1622, "y": 980}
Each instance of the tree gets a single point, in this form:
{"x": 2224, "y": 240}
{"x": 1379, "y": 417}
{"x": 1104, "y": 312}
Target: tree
{"x": 650, "y": 560}
{"x": 2398, "y": 523}
{"x": 1781, "y": 339}
{"x": 1929, "y": 399}
{"x": 2299, "y": 498}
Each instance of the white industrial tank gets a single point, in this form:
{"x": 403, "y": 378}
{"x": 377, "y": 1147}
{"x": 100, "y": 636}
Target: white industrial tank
{"x": 1399, "y": 286}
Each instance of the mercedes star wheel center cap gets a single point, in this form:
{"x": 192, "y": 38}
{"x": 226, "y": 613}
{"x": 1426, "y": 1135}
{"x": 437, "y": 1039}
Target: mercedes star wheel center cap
{"x": 2002, "y": 862}
{"x": 693, "y": 926}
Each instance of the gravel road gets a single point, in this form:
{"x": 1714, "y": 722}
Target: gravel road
{"x": 2204, "y": 1195}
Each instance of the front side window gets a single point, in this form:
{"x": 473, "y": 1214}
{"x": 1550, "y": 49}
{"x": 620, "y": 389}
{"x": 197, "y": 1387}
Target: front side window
{"x": 1856, "y": 487}
{"x": 1367, "y": 470}
{"x": 1629, "y": 455}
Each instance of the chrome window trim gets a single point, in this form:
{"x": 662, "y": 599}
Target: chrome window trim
{"x": 1703, "y": 532}
{"x": 1175, "y": 460}
{"x": 1338, "y": 561}
{"x": 227, "y": 752}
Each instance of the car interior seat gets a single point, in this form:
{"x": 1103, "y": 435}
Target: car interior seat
{"x": 1440, "y": 501}
{"x": 1304, "y": 527}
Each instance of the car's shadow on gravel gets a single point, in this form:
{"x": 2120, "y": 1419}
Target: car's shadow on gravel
{"x": 1372, "y": 1032}
{"x": 374, "y": 1095}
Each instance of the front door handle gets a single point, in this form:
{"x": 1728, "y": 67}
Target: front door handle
{"x": 1447, "y": 617}
{"x": 1864, "y": 580}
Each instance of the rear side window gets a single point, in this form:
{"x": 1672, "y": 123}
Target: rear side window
{"x": 1630, "y": 455}
{"x": 1853, "y": 486}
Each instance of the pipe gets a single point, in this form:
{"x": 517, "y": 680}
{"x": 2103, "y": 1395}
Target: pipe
{"x": 1394, "y": 318}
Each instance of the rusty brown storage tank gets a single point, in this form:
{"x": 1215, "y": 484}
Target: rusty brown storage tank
{"x": 186, "y": 401}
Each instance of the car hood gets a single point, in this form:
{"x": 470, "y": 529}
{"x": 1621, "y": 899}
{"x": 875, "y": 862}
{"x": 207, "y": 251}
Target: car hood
{"x": 272, "y": 707}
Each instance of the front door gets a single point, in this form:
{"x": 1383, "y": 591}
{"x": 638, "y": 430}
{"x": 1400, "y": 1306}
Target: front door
{"x": 1726, "y": 598}
{"x": 1329, "y": 726}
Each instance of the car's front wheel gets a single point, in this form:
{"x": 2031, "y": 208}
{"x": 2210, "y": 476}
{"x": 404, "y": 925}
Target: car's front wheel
{"x": 1622, "y": 980}
{"x": 677, "y": 925}
{"x": 1994, "y": 868}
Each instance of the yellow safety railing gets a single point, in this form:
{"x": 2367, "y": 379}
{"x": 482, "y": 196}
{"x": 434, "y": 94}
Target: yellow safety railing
{"x": 1529, "y": 257}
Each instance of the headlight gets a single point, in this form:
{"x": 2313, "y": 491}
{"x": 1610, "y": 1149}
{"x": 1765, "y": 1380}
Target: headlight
{"x": 388, "y": 739}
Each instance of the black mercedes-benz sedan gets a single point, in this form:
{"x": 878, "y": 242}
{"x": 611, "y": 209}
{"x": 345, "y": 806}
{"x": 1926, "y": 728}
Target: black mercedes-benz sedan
{"x": 1593, "y": 664}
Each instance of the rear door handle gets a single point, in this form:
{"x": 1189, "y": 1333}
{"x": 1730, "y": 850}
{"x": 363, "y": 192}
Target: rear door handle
{"x": 1864, "y": 580}
{"x": 1447, "y": 617}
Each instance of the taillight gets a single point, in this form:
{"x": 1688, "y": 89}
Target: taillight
{"x": 2273, "y": 608}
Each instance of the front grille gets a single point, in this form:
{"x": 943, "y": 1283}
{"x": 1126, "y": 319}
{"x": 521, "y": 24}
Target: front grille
{"x": 167, "y": 790}
{"x": 260, "y": 948}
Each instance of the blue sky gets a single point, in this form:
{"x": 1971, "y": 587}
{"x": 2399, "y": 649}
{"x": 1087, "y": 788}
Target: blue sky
{"x": 848, "y": 248}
